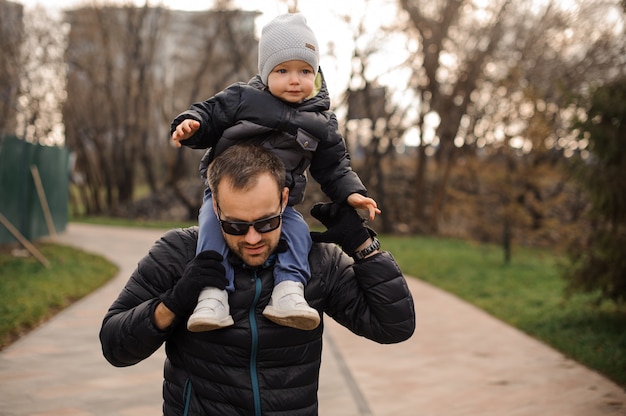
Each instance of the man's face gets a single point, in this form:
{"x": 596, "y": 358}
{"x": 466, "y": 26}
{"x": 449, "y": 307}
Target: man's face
{"x": 260, "y": 202}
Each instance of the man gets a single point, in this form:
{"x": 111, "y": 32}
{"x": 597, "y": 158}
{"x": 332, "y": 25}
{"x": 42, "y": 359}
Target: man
{"x": 254, "y": 367}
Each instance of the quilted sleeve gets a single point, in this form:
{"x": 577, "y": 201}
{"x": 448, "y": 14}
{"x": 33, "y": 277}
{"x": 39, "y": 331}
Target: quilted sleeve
{"x": 214, "y": 114}
{"x": 331, "y": 165}
{"x": 128, "y": 334}
{"x": 370, "y": 297}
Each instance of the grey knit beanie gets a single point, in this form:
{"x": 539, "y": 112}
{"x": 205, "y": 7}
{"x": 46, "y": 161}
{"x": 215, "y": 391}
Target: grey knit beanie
{"x": 287, "y": 37}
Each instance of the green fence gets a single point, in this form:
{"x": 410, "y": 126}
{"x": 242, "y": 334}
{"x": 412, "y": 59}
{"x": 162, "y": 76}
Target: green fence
{"x": 21, "y": 165}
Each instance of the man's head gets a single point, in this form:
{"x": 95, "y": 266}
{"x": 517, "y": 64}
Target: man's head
{"x": 248, "y": 186}
{"x": 287, "y": 38}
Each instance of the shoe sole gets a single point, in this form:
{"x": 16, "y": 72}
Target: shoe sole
{"x": 305, "y": 322}
{"x": 204, "y": 325}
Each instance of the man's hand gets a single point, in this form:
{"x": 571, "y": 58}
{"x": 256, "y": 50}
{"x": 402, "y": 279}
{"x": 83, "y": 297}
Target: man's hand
{"x": 204, "y": 270}
{"x": 187, "y": 128}
{"x": 344, "y": 226}
{"x": 358, "y": 201}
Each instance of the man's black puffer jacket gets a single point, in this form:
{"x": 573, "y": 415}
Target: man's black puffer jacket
{"x": 255, "y": 367}
{"x": 304, "y": 135}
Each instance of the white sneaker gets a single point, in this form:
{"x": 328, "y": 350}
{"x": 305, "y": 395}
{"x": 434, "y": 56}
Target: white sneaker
{"x": 288, "y": 307}
{"x": 212, "y": 311}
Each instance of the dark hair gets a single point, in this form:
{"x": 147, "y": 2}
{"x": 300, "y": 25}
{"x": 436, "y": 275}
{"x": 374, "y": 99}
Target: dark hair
{"x": 242, "y": 165}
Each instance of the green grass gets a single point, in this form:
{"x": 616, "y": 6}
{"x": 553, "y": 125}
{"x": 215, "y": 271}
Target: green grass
{"x": 528, "y": 293}
{"x": 31, "y": 293}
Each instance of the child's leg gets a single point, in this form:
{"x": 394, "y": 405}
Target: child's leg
{"x": 210, "y": 236}
{"x": 287, "y": 305}
{"x": 293, "y": 264}
{"x": 212, "y": 311}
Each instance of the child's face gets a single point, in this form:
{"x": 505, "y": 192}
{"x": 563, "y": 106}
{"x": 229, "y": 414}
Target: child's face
{"x": 291, "y": 81}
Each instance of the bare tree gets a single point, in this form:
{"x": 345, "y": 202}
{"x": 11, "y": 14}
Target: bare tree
{"x": 11, "y": 38}
{"x": 220, "y": 52}
{"x": 464, "y": 38}
{"x": 465, "y": 50}
{"x": 32, "y": 81}
{"x": 42, "y": 80}
{"x": 375, "y": 123}
{"x": 108, "y": 112}
{"x": 528, "y": 123}
{"x": 496, "y": 79}
{"x": 131, "y": 70}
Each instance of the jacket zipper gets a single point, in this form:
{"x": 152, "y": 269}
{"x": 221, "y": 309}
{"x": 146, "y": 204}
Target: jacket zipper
{"x": 187, "y": 396}
{"x": 255, "y": 345}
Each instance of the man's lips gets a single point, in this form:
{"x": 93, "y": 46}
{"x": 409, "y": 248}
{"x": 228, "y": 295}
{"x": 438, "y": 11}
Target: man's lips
{"x": 252, "y": 250}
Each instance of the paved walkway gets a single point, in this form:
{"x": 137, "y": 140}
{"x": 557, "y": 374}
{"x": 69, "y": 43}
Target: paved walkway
{"x": 460, "y": 362}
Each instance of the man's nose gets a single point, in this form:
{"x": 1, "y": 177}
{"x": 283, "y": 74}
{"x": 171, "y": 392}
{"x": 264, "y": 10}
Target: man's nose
{"x": 252, "y": 236}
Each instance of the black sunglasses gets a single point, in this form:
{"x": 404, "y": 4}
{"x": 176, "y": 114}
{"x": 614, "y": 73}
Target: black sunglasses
{"x": 264, "y": 225}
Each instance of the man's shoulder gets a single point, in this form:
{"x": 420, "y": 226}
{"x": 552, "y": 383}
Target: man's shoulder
{"x": 182, "y": 233}
{"x": 318, "y": 249}
{"x": 324, "y": 255}
{"x": 179, "y": 240}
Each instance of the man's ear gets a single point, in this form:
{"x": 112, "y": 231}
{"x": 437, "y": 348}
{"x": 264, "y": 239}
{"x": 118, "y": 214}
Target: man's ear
{"x": 214, "y": 203}
{"x": 285, "y": 197}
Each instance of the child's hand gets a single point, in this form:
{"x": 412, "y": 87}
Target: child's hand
{"x": 358, "y": 201}
{"x": 185, "y": 130}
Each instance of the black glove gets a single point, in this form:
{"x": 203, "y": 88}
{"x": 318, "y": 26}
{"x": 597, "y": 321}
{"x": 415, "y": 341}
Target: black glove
{"x": 204, "y": 270}
{"x": 344, "y": 226}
